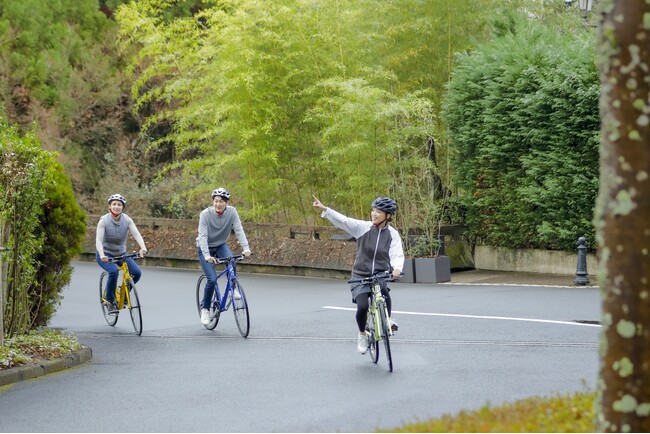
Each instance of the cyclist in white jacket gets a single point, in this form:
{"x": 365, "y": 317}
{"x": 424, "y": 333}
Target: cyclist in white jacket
{"x": 379, "y": 248}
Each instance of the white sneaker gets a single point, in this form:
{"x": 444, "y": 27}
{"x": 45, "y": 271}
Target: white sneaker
{"x": 205, "y": 316}
{"x": 362, "y": 343}
{"x": 237, "y": 294}
{"x": 393, "y": 324}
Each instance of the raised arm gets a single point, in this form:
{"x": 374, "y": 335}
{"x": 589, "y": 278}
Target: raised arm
{"x": 354, "y": 227}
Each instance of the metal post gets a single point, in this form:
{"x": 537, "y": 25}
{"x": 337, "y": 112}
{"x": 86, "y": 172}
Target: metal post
{"x": 441, "y": 245}
{"x": 581, "y": 271}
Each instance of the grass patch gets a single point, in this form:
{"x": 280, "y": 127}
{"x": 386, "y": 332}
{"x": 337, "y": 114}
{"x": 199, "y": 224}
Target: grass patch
{"x": 565, "y": 413}
{"x": 43, "y": 344}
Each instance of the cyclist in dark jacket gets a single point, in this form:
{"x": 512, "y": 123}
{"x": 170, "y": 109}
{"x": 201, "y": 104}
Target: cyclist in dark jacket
{"x": 379, "y": 248}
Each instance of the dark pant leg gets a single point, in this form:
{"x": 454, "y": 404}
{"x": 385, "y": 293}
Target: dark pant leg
{"x": 363, "y": 302}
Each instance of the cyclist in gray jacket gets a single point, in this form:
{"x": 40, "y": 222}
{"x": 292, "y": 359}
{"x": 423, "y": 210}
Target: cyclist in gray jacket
{"x": 379, "y": 248}
{"x": 110, "y": 241}
{"x": 215, "y": 224}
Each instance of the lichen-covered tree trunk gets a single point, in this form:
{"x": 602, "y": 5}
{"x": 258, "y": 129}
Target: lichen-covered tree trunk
{"x": 623, "y": 217}
{"x": 2, "y": 285}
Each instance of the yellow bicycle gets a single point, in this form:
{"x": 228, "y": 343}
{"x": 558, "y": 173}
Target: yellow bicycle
{"x": 126, "y": 296}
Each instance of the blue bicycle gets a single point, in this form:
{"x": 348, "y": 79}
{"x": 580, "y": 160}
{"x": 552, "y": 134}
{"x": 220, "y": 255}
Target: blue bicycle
{"x": 233, "y": 295}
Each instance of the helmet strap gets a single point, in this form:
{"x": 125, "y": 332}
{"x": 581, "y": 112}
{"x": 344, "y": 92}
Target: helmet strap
{"x": 112, "y": 213}
{"x": 379, "y": 225}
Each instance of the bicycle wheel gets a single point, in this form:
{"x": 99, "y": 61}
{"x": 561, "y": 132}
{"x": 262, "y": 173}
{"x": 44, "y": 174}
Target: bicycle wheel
{"x": 215, "y": 312}
{"x": 240, "y": 309}
{"x": 383, "y": 314}
{"x": 134, "y": 308}
{"x": 111, "y": 318}
{"x": 374, "y": 344}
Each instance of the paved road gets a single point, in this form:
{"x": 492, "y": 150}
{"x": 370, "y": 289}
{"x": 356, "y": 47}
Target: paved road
{"x": 459, "y": 347}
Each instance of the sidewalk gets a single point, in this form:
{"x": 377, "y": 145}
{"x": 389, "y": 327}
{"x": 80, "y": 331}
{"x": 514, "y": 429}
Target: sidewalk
{"x": 516, "y": 278}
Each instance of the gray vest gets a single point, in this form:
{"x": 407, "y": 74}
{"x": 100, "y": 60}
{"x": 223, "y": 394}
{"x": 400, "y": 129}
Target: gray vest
{"x": 115, "y": 234}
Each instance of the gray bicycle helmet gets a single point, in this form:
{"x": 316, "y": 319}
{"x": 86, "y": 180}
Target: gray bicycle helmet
{"x": 117, "y": 196}
{"x": 225, "y": 194}
{"x": 385, "y": 204}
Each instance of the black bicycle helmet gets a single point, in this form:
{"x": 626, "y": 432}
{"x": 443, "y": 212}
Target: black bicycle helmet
{"x": 117, "y": 196}
{"x": 385, "y": 204}
{"x": 225, "y": 194}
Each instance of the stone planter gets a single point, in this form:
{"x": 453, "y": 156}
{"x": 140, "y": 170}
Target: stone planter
{"x": 409, "y": 271}
{"x": 432, "y": 270}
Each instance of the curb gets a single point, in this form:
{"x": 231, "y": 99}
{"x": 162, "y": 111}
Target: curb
{"x": 45, "y": 367}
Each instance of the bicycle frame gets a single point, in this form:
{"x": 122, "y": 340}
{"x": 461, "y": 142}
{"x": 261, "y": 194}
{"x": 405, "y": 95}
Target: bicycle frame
{"x": 221, "y": 303}
{"x": 376, "y": 301}
{"x": 126, "y": 294}
{"x": 122, "y": 296}
{"x": 377, "y": 323}
{"x": 230, "y": 271}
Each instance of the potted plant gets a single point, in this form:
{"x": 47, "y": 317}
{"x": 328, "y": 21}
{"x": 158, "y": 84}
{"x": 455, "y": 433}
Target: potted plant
{"x": 421, "y": 194}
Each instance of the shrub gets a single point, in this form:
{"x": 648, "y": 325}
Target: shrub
{"x": 523, "y": 117}
{"x": 63, "y": 228}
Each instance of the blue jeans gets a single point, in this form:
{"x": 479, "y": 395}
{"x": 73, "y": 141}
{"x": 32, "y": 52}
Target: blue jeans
{"x": 113, "y": 274}
{"x": 221, "y": 251}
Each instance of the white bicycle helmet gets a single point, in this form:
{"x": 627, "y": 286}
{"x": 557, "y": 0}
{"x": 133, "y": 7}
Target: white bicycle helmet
{"x": 221, "y": 192}
{"x": 117, "y": 196}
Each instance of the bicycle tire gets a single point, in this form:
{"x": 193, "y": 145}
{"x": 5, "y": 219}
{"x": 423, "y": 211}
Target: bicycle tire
{"x": 200, "y": 288}
{"x": 385, "y": 331}
{"x": 240, "y": 309}
{"x": 134, "y": 308}
{"x": 373, "y": 349}
{"x": 111, "y": 318}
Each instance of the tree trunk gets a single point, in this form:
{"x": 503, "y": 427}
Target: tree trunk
{"x": 623, "y": 217}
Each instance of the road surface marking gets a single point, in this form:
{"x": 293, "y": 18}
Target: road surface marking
{"x": 548, "y": 321}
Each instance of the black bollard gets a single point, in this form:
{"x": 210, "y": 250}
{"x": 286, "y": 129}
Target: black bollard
{"x": 441, "y": 245}
{"x": 581, "y": 271}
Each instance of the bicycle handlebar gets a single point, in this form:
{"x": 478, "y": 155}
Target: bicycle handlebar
{"x": 384, "y": 276}
{"x": 134, "y": 255}
{"x": 227, "y": 259}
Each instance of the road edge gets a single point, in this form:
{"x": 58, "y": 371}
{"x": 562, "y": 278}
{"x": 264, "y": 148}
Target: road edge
{"x": 45, "y": 367}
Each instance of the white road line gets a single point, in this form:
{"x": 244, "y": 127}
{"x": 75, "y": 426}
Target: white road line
{"x": 476, "y": 316}
{"x": 532, "y": 285}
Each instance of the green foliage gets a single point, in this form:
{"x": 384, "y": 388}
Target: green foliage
{"x": 281, "y": 99}
{"x": 522, "y": 112}
{"x": 60, "y": 69}
{"x": 37, "y": 344}
{"x": 562, "y": 413}
{"x": 23, "y": 177}
{"x": 46, "y": 46}
{"x": 63, "y": 230}
{"x": 41, "y": 225}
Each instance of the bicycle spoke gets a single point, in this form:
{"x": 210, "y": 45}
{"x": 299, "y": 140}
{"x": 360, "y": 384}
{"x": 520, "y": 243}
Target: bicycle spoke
{"x": 215, "y": 312}
{"x": 135, "y": 311}
{"x": 111, "y": 318}
{"x": 240, "y": 308}
{"x": 370, "y": 330}
{"x": 383, "y": 313}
